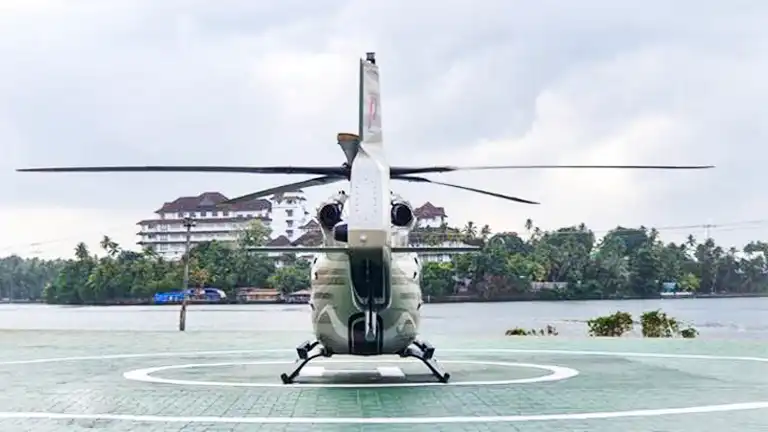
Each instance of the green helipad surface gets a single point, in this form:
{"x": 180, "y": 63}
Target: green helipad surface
{"x": 217, "y": 381}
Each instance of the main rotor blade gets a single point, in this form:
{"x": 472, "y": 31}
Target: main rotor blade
{"x": 292, "y": 187}
{"x": 318, "y": 170}
{"x": 493, "y": 194}
{"x": 439, "y": 169}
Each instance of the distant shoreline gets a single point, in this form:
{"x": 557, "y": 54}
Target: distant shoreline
{"x": 427, "y": 300}
{"x": 518, "y": 299}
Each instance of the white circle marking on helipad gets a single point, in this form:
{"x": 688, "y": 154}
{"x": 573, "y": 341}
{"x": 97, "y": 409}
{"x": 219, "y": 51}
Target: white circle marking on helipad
{"x": 394, "y": 420}
{"x": 557, "y": 373}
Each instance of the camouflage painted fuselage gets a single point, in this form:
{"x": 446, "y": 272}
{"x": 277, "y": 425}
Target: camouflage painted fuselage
{"x": 338, "y": 318}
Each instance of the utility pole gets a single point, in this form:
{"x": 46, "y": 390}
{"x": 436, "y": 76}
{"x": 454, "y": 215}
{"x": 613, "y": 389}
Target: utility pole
{"x": 188, "y": 223}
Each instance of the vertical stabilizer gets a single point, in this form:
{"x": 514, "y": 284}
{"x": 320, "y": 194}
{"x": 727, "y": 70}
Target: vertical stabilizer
{"x": 369, "y": 200}
{"x": 368, "y": 221}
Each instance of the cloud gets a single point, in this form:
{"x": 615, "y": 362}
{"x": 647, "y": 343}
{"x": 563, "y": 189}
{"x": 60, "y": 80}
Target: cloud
{"x": 498, "y": 82}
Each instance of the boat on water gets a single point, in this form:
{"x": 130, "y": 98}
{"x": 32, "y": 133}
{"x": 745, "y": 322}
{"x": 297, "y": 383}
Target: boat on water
{"x": 678, "y": 294}
{"x": 194, "y": 295}
{"x": 244, "y": 295}
{"x": 300, "y": 297}
{"x": 670, "y": 290}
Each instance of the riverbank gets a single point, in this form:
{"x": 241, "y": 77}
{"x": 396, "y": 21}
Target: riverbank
{"x": 427, "y": 299}
{"x": 471, "y": 299}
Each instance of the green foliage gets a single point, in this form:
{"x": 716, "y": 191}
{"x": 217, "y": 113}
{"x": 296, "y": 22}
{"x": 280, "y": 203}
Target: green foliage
{"x": 689, "y": 282}
{"x": 292, "y": 278}
{"x": 611, "y": 326}
{"x": 439, "y": 277}
{"x": 27, "y": 279}
{"x": 517, "y": 331}
{"x": 571, "y": 261}
{"x": 656, "y": 324}
{"x": 625, "y": 263}
{"x": 689, "y": 333}
{"x": 124, "y": 276}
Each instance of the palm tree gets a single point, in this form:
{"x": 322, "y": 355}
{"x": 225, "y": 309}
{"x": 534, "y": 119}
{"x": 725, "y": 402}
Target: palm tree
{"x": 470, "y": 230}
{"x": 109, "y": 246}
{"x": 81, "y": 252}
{"x": 485, "y": 232}
{"x": 690, "y": 241}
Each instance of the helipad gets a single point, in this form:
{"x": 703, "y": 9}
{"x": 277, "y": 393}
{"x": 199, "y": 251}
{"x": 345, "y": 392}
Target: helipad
{"x": 220, "y": 381}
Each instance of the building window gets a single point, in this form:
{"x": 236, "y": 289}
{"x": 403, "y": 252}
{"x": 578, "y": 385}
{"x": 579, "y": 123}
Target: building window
{"x": 289, "y": 233}
{"x": 225, "y": 213}
{"x": 289, "y": 212}
{"x": 180, "y": 214}
{"x": 203, "y": 214}
{"x": 214, "y": 213}
{"x": 289, "y": 223}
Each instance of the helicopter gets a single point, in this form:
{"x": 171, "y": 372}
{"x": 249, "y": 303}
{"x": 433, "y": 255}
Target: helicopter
{"x": 365, "y": 278}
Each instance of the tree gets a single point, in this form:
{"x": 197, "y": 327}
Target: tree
{"x": 254, "y": 234}
{"x": 291, "y": 278}
{"x": 470, "y": 231}
{"x": 437, "y": 278}
{"x": 570, "y": 262}
{"x": 529, "y": 225}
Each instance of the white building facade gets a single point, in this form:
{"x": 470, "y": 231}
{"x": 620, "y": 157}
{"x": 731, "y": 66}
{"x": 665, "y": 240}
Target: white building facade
{"x": 285, "y": 215}
{"x": 433, "y": 221}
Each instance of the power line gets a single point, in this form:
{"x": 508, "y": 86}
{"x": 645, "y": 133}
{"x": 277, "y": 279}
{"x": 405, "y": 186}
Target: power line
{"x": 62, "y": 239}
{"x": 728, "y": 226}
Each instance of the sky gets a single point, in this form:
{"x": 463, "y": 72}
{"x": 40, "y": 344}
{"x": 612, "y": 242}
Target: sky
{"x": 239, "y": 82}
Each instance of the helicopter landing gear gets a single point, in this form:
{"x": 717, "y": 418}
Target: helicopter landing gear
{"x": 420, "y": 350}
{"x": 303, "y": 351}
{"x": 424, "y": 351}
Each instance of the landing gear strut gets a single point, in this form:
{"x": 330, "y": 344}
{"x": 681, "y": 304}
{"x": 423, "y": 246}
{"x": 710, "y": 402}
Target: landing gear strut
{"x": 303, "y": 351}
{"x": 421, "y": 350}
{"x": 424, "y": 351}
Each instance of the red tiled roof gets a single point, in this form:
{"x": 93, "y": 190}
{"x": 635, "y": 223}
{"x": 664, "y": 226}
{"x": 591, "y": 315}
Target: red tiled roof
{"x": 310, "y": 238}
{"x": 281, "y": 240}
{"x": 311, "y": 225}
{"x": 429, "y": 211}
{"x": 210, "y": 201}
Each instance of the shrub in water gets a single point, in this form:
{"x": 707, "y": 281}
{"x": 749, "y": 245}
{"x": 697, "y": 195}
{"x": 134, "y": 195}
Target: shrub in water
{"x": 689, "y": 333}
{"x": 517, "y": 331}
{"x": 612, "y": 325}
{"x": 656, "y": 324}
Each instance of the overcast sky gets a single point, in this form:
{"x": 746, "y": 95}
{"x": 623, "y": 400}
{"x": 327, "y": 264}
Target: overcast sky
{"x": 464, "y": 82}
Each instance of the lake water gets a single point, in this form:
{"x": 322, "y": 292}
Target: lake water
{"x": 733, "y": 318}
